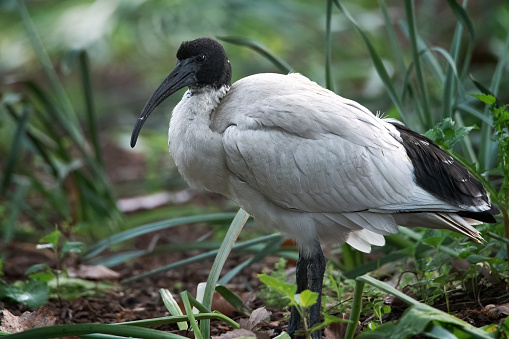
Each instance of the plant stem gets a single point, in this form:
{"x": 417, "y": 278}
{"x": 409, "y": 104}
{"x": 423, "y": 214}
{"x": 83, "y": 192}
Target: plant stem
{"x": 355, "y": 313}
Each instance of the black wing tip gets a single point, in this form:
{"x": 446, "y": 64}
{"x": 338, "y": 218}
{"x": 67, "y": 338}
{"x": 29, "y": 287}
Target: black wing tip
{"x": 487, "y": 216}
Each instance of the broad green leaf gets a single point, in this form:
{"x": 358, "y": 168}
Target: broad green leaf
{"x": 288, "y": 289}
{"x": 306, "y": 298}
{"x": 72, "y": 247}
{"x": 486, "y": 98}
{"x": 32, "y": 293}
{"x": 447, "y": 134}
{"x": 283, "y": 335}
{"x": 51, "y": 238}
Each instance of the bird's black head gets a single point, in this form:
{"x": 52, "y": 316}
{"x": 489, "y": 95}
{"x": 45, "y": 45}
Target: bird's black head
{"x": 215, "y": 69}
{"x": 201, "y": 62}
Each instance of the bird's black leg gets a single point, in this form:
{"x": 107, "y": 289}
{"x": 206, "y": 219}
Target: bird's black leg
{"x": 309, "y": 275}
{"x": 316, "y": 270}
{"x": 301, "y": 276}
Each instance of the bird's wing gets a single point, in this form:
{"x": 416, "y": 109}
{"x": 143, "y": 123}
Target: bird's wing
{"x": 307, "y": 149}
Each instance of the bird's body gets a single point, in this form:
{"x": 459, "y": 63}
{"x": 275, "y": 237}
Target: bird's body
{"x": 317, "y": 167}
{"x": 302, "y": 160}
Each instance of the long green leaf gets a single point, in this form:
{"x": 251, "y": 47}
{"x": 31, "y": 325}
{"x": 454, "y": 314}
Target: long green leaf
{"x": 155, "y": 226}
{"x": 395, "y": 46}
{"x": 428, "y": 58}
{"x": 377, "y": 62}
{"x": 423, "y": 90}
{"x": 16, "y": 147}
{"x": 190, "y": 315}
{"x": 173, "y": 307}
{"x": 423, "y": 308}
{"x": 283, "y": 66}
{"x": 45, "y": 61}
{"x": 199, "y": 257}
{"x": 173, "y": 320}
{"x": 449, "y": 84}
{"x": 487, "y": 146}
{"x": 232, "y": 234}
{"x": 270, "y": 247}
{"x": 328, "y": 47}
{"x": 83, "y": 329}
{"x": 89, "y": 105}
{"x": 462, "y": 17}
{"x": 356, "y": 309}
{"x": 15, "y": 206}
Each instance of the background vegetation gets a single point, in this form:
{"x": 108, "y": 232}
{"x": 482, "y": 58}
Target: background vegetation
{"x": 75, "y": 75}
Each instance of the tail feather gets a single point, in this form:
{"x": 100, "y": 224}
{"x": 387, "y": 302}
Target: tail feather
{"x": 461, "y": 225}
{"x": 450, "y": 221}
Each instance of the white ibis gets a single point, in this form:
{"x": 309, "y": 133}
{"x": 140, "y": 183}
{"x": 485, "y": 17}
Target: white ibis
{"x": 315, "y": 166}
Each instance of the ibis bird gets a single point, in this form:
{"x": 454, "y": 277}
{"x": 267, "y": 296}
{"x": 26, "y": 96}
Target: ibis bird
{"x": 315, "y": 166}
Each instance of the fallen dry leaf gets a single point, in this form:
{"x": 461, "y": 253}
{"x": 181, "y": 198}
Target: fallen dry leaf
{"x": 95, "y": 272}
{"x": 258, "y": 317}
{"x": 28, "y": 320}
{"x": 498, "y": 309}
{"x": 242, "y": 332}
{"x": 338, "y": 330}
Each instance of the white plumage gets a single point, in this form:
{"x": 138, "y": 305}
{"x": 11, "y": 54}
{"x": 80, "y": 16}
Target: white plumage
{"x": 300, "y": 159}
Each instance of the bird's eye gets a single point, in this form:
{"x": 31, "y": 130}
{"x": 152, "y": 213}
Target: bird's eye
{"x": 201, "y": 58}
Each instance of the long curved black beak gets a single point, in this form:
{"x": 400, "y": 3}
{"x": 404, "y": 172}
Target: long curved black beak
{"x": 184, "y": 74}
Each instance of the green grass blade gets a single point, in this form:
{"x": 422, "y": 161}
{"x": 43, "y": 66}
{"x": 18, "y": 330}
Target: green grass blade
{"x": 450, "y": 84}
{"x": 395, "y": 46}
{"x": 270, "y": 247}
{"x": 198, "y": 305}
{"x": 468, "y": 148}
{"x": 16, "y": 147}
{"x": 68, "y": 330}
{"x": 499, "y": 70}
{"x": 172, "y": 320}
{"x": 487, "y": 146}
{"x": 428, "y": 58}
{"x": 356, "y": 309}
{"x": 425, "y": 309}
{"x": 377, "y": 62}
{"x": 155, "y": 226}
{"x": 190, "y": 314}
{"x": 232, "y": 298}
{"x": 328, "y": 47}
{"x": 15, "y": 206}
{"x": 470, "y": 110}
{"x": 46, "y": 61}
{"x": 423, "y": 90}
{"x": 462, "y": 17}
{"x": 89, "y": 105}
{"x": 199, "y": 257}
{"x": 374, "y": 264}
{"x": 283, "y": 66}
{"x": 232, "y": 234}
{"x": 173, "y": 307}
